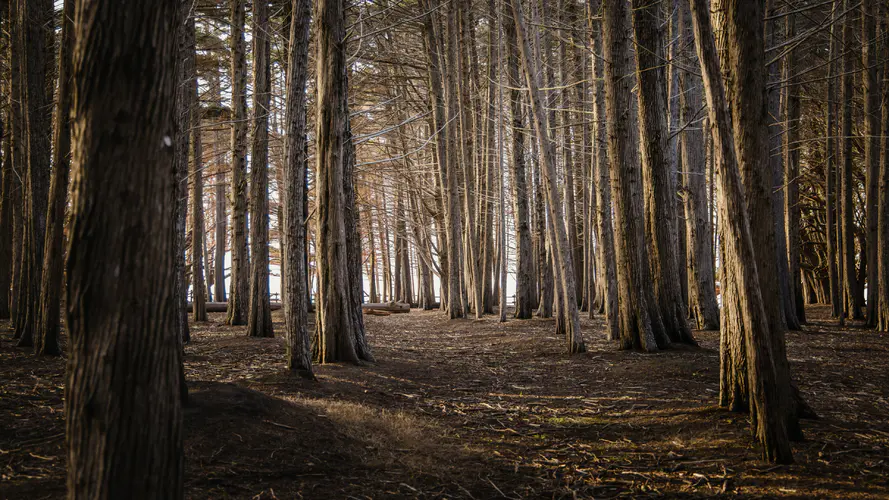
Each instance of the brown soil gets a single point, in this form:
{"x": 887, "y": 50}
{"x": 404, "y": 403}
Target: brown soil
{"x": 478, "y": 409}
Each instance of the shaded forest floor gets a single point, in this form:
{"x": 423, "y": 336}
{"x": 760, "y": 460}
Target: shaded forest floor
{"x": 478, "y": 409}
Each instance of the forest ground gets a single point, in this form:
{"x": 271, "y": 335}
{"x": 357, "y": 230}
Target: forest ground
{"x": 478, "y": 409}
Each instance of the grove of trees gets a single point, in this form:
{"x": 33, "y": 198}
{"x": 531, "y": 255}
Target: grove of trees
{"x": 670, "y": 165}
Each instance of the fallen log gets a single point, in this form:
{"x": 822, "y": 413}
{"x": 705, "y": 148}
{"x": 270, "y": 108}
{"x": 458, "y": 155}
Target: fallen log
{"x": 216, "y": 307}
{"x": 390, "y": 307}
{"x": 375, "y": 312}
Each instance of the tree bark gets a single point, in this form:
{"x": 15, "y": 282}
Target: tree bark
{"x": 198, "y": 284}
{"x": 47, "y": 339}
{"x": 240, "y": 280}
{"x": 121, "y": 267}
{"x": 883, "y": 228}
{"x": 872, "y": 116}
{"x": 185, "y": 95}
{"x": 830, "y": 171}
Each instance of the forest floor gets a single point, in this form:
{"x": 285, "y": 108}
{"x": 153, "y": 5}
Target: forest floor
{"x": 479, "y": 409}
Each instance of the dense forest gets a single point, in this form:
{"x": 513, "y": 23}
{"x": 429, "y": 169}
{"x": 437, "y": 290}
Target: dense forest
{"x": 444, "y": 248}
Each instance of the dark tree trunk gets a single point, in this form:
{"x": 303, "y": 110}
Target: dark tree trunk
{"x": 47, "y": 339}
{"x": 872, "y": 116}
{"x": 259, "y": 321}
{"x": 121, "y": 267}
{"x": 883, "y": 229}
{"x": 240, "y": 279}
{"x": 830, "y": 173}
{"x": 219, "y": 238}
{"x": 36, "y": 35}
{"x": 198, "y": 284}
{"x": 185, "y": 95}
{"x": 7, "y": 229}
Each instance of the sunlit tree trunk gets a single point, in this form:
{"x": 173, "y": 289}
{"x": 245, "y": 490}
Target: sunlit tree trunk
{"x": 872, "y": 116}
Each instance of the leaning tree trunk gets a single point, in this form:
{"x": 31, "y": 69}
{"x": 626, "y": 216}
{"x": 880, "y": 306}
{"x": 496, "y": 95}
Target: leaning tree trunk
{"x": 296, "y": 310}
{"x": 335, "y": 324}
{"x": 561, "y": 252}
{"x": 240, "y": 287}
{"x": 748, "y": 365}
{"x": 660, "y": 188}
{"x": 259, "y": 316}
{"x": 640, "y": 323}
{"x": 121, "y": 266}
{"x": 46, "y": 340}
{"x": 699, "y": 254}
{"x": 36, "y": 37}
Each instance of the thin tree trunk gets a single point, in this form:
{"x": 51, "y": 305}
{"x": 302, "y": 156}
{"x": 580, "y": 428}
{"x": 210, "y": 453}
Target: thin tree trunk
{"x": 198, "y": 284}
{"x": 872, "y": 116}
{"x": 562, "y": 251}
{"x": 794, "y": 124}
{"x": 830, "y": 173}
{"x": 240, "y": 279}
{"x": 220, "y": 239}
{"x": 121, "y": 265}
{"x": 185, "y": 95}
{"x": 47, "y": 339}
{"x": 883, "y": 228}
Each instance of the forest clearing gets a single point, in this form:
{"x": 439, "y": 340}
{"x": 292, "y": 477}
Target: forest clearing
{"x": 363, "y": 249}
{"x": 481, "y": 409}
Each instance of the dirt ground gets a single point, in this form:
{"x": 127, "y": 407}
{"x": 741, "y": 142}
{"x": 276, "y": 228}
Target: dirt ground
{"x": 478, "y": 409}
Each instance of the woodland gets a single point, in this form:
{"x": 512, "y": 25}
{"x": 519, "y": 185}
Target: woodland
{"x": 444, "y": 249}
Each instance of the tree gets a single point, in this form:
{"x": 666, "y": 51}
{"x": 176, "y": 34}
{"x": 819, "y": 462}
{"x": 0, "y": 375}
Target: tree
{"x": 640, "y": 323}
{"x": 121, "y": 257}
{"x": 47, "y": 335}
{"x": 830, "y": 172}
{"x": 185, "y": 96}
{"x": 299, "y": 350}
{"x": 259, "y": 323}
{"x": 699, "y": 254}
{"x": 198, "y": 285}
{"x": 562, "y": 257}
{"x": 883, "y": 229}
{"x": 36, "y": 37}
{"x": 872, "y": 116}
{"x": 660, "y": 188}
{"x": 338, "y": 337}
{"x": 748, "y": 377}
{"x": 240, "y": 285}
{"x": 6, "y": 183}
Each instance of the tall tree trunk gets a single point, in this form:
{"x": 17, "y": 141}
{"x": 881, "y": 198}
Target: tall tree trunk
{"x": 660, "y": 188}
{"x": 296, "y": 310}
{"x": 830, "y": 171}
{"x": 794, "y": 124}
{"x": 562, "y": 251}
{"x": 185, "y": 95}
{"x": 240, "y": 279}
{"x": 640, "y": 323}
{"x": 524, "y": 302}
{"x": 873, "y": 130}
{"x": 47, "y": 339}
{"x": 7, "y": 229}
{"x": 748, "y": 365}
{"x": 36, "y": 35}
{"x": 852, "y": 304}
{"x": 121, "y": 259}
{"x": 198, "y": 284}
{"x": 699, "y": 253}
{"x": 335, "y": 325}
{"x": 883, "y": 229}
{"x": 259, "y": 319}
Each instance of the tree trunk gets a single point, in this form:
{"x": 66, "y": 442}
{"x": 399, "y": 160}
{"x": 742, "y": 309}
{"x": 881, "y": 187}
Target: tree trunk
{"x": 640, "y": 323}
{"x": 699, "y": 253}
{"x": 47, "y": 338}
{"x": 36, "y": 35}
{"x": 830, "y": 171}
{"x": 240, "y": 279}
{"x": 747, "y": 369}
{"x": 524, "y": 302}
{"x": 220, "y": 239}
{"x": 794, "y": 124}
{"x": 336, "y": 329}
{"x": 121, "y": 265}
{"x": 185, "y": 95}
{"x": 883, "y": 229}
{"x": 660, "y": 188}
{"x": 852, "y": 304}
{"x": 198, "y": 285}
{"x": 562, "y": 251}
{"x": 873, "y": 130}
